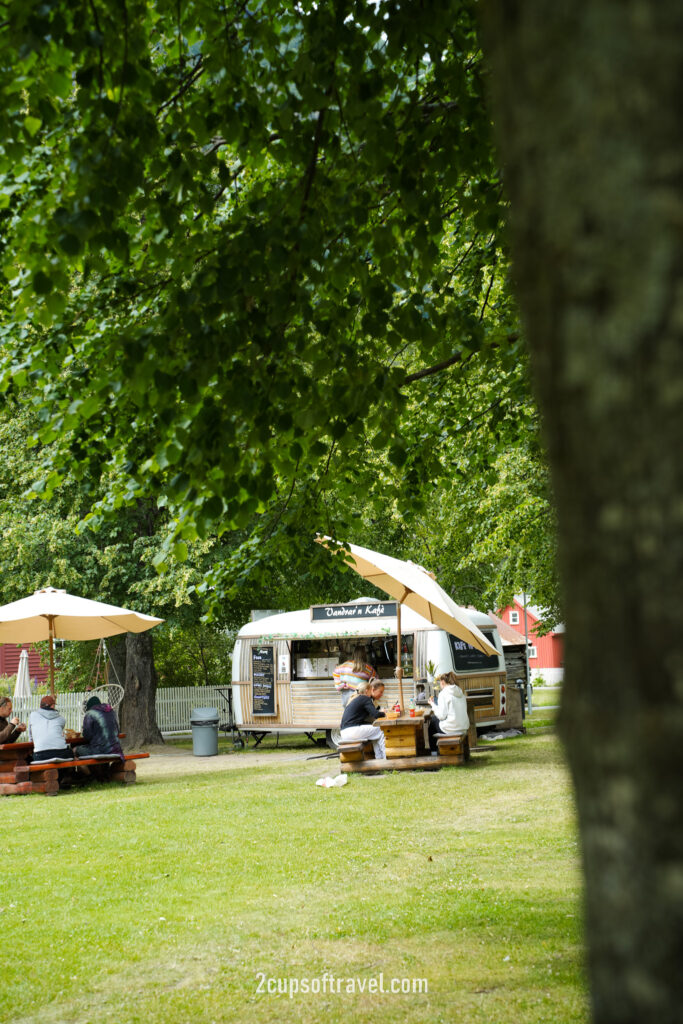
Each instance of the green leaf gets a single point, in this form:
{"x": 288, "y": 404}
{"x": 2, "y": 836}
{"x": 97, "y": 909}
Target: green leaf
{"x": 70, "y": 244}
{"x": 42, "y": 284}
{"x": 32, "y": 125}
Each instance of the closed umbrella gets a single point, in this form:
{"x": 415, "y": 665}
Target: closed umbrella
{"x": 22, "y": 687}
{"x": 413, "y": 586}
{"x": 51, "y": 614}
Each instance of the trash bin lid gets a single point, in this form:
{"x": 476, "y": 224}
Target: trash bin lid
{"x": 203, "y": 716}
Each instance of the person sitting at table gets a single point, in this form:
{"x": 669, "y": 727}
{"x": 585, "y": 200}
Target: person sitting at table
{"x": 47, "y": 732}
{"x": 359, "y": 717}
{"x": 10, "y": 728}
{"x": 363, "y": 689}
{"x": 350, "y": 673}
{"x": 450, "y": 711}
{"x": 420, "y": 693}
{"x": 100, "y": 730}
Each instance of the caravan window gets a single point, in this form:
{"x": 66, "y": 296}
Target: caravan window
{"x": 317, "y": 658}
{"x": 468, "y": 659}
{"x": 382, "y": 655}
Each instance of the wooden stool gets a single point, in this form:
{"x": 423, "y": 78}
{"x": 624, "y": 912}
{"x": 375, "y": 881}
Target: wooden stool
{"x": 363, "y": 750}
{"x": 456, "y": 748}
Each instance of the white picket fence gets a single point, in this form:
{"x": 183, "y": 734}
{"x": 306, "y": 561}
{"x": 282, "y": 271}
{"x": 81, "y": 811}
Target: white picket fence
{"x": 174, "y": 706}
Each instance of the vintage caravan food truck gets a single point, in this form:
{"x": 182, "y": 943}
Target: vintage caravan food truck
{"x": 282, "y": 665}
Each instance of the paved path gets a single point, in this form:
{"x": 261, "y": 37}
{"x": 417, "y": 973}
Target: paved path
{"x": 168, "y": 760}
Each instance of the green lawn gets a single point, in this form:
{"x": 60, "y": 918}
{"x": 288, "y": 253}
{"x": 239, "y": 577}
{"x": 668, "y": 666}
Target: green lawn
{"x": 546, "y": 696}
{"x": 171, "y": 901}
{"x": 271, "y": 742}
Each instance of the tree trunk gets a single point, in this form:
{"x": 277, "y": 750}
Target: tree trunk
{"x": 587, "y": 104}
{"x": 116, "y": 649}
{"x": 138, "y": 710}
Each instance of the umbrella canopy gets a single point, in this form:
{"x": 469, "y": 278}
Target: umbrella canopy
{"x": 50, "y": 614}
{"x": 22, "y": 687}
{"x": 413, "y": 586}
{"x": 54, "y": 613}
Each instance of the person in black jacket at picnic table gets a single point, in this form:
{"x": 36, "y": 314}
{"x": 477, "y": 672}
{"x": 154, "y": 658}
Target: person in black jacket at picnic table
{"x": 100, "y": 730}
{"x": 359, "y": 717}
{"x": 10, "y": 728}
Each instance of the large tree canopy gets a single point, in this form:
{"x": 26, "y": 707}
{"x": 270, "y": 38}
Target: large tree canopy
{"x": 239, "y": 240}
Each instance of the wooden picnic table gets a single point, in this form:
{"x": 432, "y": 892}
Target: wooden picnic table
{"x": 405, "y": 736}
{"x": 18, "y": 775}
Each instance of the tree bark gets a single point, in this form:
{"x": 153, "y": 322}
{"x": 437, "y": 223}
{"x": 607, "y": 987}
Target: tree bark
{"x": 116, "y": 649}
{"x": 587, "y": 104}
{"x": 138, "y": 710}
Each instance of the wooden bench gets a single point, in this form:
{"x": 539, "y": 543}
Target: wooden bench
{"x": 362, "y": 750}
{"x": 44, "y": 775}
{"x": 14, "y": 775}
{"x": 358, "y": 757}
{"x": 453, "y": 749}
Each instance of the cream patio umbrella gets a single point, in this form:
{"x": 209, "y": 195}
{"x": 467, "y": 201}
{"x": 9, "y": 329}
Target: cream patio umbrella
{"x": 413, "y": 586}
{"x": 51, "y": 614}
{"x": 22, "y": 687}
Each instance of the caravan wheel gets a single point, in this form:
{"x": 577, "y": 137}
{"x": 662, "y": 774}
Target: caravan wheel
{"x": 333, "y": 738}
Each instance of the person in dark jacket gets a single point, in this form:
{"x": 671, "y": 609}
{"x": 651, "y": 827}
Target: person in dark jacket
{"x": 10, "y": 728}
{"x": 359, "y": 717}
{"x": 100, "y": 730}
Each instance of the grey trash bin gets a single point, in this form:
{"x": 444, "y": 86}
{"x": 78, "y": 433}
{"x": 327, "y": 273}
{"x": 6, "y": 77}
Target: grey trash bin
{"x": 204, "y": 722}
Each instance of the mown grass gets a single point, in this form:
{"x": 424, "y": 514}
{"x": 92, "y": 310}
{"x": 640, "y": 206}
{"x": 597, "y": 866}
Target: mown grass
{"x": 161, "y": 902}
{"x": 271, "y": 742}
{"x": 544, "y": 696}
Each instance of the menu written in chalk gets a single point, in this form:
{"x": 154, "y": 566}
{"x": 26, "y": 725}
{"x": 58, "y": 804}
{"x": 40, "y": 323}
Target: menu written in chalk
{"x": 263, "y": 680}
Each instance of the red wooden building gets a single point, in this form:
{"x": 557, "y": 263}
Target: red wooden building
{"x": 9, "y": 661}
{"x": 546, "y": 653}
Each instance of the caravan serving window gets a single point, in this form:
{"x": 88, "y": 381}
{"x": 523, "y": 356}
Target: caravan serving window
{"x": 468, "y": 659}
{"x": 317, "y": 658}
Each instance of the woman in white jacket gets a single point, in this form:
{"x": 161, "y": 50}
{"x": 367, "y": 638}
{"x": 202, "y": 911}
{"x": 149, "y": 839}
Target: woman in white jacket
{"x": 449, "y": 712}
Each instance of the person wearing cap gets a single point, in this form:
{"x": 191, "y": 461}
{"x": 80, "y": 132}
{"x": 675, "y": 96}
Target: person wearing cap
{"x": 10, "y": 728}
{"x": 100, "y": 730}
{"x": 47, "y": 732}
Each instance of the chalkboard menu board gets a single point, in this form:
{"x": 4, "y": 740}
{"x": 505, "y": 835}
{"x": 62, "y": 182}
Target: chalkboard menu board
{"x": 263, "y": 680}
{"x": 468, "y": 659}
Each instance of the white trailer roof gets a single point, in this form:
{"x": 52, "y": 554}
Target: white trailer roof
{"x": 300, "y": 625}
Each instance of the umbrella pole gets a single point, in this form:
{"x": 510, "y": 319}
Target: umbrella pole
{"x": 399, "y": 663}
{"x": 51, "y": 622}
